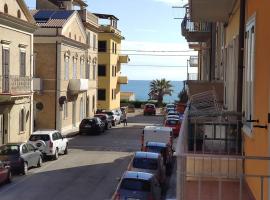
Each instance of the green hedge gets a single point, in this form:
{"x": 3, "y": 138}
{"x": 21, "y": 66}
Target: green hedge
{"x": 138, "y": 104}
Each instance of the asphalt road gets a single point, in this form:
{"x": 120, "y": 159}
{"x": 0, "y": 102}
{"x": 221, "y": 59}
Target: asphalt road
{"x": 89, "y": 171}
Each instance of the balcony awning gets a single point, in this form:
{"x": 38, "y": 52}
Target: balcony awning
{"x": 211, "y": 10}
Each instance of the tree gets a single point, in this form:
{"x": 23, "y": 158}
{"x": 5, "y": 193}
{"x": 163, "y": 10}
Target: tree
{"x": 183, "y": 96}
{"x": 158, "y": 89}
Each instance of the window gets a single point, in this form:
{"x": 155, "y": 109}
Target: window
{"x": 80, "y": 38}
{"x": 101, "y": 94}
{"x": 113, "y": 72}
{"x": 112, "y": 93}
{"x": 19, "y": 14}
{"x": 112, "y": 47}
{"x": 101, "y": 70}
{"x": 95, "y": 41}
{"x": 102, "y": 46}
{"x": 5, "y": 63}
{"x": 6, "y": 8}
{"x": 82, "y": 68}
{"x": 74, "y": 68}
{"x": 87, "y": 70}
{"x": 88, "y": 39}
{"x": 249, "y": 72}
{"x": 75, "y": 37}
{"x": 55, "y": 136}
{"x": 115, "y": 48}
{"x": 24, "y": 149}
{"x": 22, "y": 121}
{"x": 94, "y": 71}
{"x": 66, "y": 68}
{"x": 69, "y": 34}
{"x": 22, "y": 63}
{"x": 65, "y": 110}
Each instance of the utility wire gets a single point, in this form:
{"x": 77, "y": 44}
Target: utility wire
{"x": 164, "y": 66}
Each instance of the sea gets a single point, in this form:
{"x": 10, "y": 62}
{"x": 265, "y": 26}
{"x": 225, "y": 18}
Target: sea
{"x": 141, "y": 89}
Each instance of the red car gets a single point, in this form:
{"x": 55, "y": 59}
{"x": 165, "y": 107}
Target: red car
{"x": 175, "y": 124}
{"x": 5, "y": 173}
{"x": 149, "y": 109}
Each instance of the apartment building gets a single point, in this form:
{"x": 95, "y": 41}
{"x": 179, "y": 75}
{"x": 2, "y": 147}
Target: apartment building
{"x": 226, "y": 125}
{"x": 60, "y": 50}
{"x": 109, "y": 63}
{"x": 16, "y": 98}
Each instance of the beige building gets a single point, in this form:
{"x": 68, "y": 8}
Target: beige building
{"x": 63, "y": 66}
{"x": 109, "y": 64}
{"x": 16, "y": 53}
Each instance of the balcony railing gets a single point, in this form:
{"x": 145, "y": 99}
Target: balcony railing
{"x": 193, "y": 61}
{"x": 192, "y": 76}
{"x": 195, "y": 31}
{"x": 12, "y": 85}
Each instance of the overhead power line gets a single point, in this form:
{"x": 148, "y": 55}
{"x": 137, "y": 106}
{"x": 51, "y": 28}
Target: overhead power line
{"x": 161, "y": 66}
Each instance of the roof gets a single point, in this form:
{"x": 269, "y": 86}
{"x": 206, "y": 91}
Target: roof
{"x": 156, "y": 144}
{"x": 44, "y": 132}
{"x": 105, "y": 16}
{"x": 137, "y": 175}
{"x": 52, "y": 18}
{"x": 142, "y": 154}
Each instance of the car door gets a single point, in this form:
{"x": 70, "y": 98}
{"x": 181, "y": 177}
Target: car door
{"x": 34, "y": 154}
{"x": 2, "y": 172}
{"x": 55, "y": 141}
{"x": 26, "y": 155}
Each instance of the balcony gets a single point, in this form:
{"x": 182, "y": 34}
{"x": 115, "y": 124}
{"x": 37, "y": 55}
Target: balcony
{"x": 15, "y": 85}
{"x": 195, "y": 31}
{"x": 89, "y": 18}
{"x": 76, "y": 86}
{"x": 122, "y": 80}
{"x": 37, "y": 84}
{"x": 110, "y": 29}
{"x": 192, "y": 76}
{"x": 123, "y": 58}
{"x": 193, "y": 61}
{"x": 211, "y": 10}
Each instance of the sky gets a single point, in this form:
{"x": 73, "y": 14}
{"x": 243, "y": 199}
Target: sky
{"x": 148, "y": 25}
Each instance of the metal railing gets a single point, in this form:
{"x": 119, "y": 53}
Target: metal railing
{"x": 192, "y": 76}
{"x": 14, "y": 84}
{"x": 210, "y": 160}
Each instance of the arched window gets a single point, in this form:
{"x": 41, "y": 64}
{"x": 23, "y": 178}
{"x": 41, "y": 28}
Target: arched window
{"x": 19, "y": 14}
{"x": 6, "y": 8}
{"x": 22, "y": 120}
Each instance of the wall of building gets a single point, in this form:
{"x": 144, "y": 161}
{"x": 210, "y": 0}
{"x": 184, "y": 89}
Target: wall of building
{"x": 13, "y": 8}
{"x": 258, "y": 143}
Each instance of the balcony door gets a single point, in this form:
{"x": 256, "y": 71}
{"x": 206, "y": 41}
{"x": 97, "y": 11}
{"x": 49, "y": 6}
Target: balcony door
{"x": 5, "y": 72}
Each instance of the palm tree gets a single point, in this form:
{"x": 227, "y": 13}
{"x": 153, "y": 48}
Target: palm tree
{"x": 160, "y": 88}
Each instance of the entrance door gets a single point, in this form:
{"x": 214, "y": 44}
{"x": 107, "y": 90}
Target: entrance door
{"x": 74, "y": 113}
{"x": 1, "y": 129}
{"x": 5, "y": 61}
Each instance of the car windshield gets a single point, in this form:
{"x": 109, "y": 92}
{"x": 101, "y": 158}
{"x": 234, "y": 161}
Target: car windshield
{"x": 135, "y": 184}
{"x": 145, "y": 163}
{"x": 9, "y": 149}
{"x": 155, "y": 149}
{"x": 39, "y": 137}
{"x": 172, "y": 122}
{"x": 150, "y": 106}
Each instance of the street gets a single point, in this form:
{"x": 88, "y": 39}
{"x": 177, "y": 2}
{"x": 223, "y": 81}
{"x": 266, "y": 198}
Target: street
{"x": 89, "y": 171}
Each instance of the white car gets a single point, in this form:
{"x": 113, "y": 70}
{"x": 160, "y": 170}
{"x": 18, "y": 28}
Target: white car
{"x": 49, "y": 142}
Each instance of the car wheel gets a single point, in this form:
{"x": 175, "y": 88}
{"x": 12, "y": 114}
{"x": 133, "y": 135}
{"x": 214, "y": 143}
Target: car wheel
{"x": 56, "y": 155}
{"x": 9, "y": 177}
{"x": 39, "y": 164}
{"x": 66, "y": 150}
{"x": 25, "y": 168}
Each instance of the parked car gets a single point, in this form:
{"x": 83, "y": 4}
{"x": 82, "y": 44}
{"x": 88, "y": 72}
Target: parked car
{"x": 49, "y": 142}
{"x": 115, "y": 117}
{"x": 165, "y": 150}
{"x": 151, "y": 163}
{"x": 106, "y": 119}
{"x": 149, "y": 109}
{"x": 138, "y": 185}
{"x": 172, "y": 112}
{"x": 20, "y": 156}
{"x": 120, "y": 113}
{"x": 174, "y": 124}
{"x": 91, "y": 126}
{"x": 172, "y": 117}
{"x": 5, "y": 173}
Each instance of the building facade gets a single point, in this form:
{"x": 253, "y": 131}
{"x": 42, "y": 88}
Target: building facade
{"x": 61, "y": 60}
{"x": 16, "y": 52}
{"x": 109, "y": 64}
